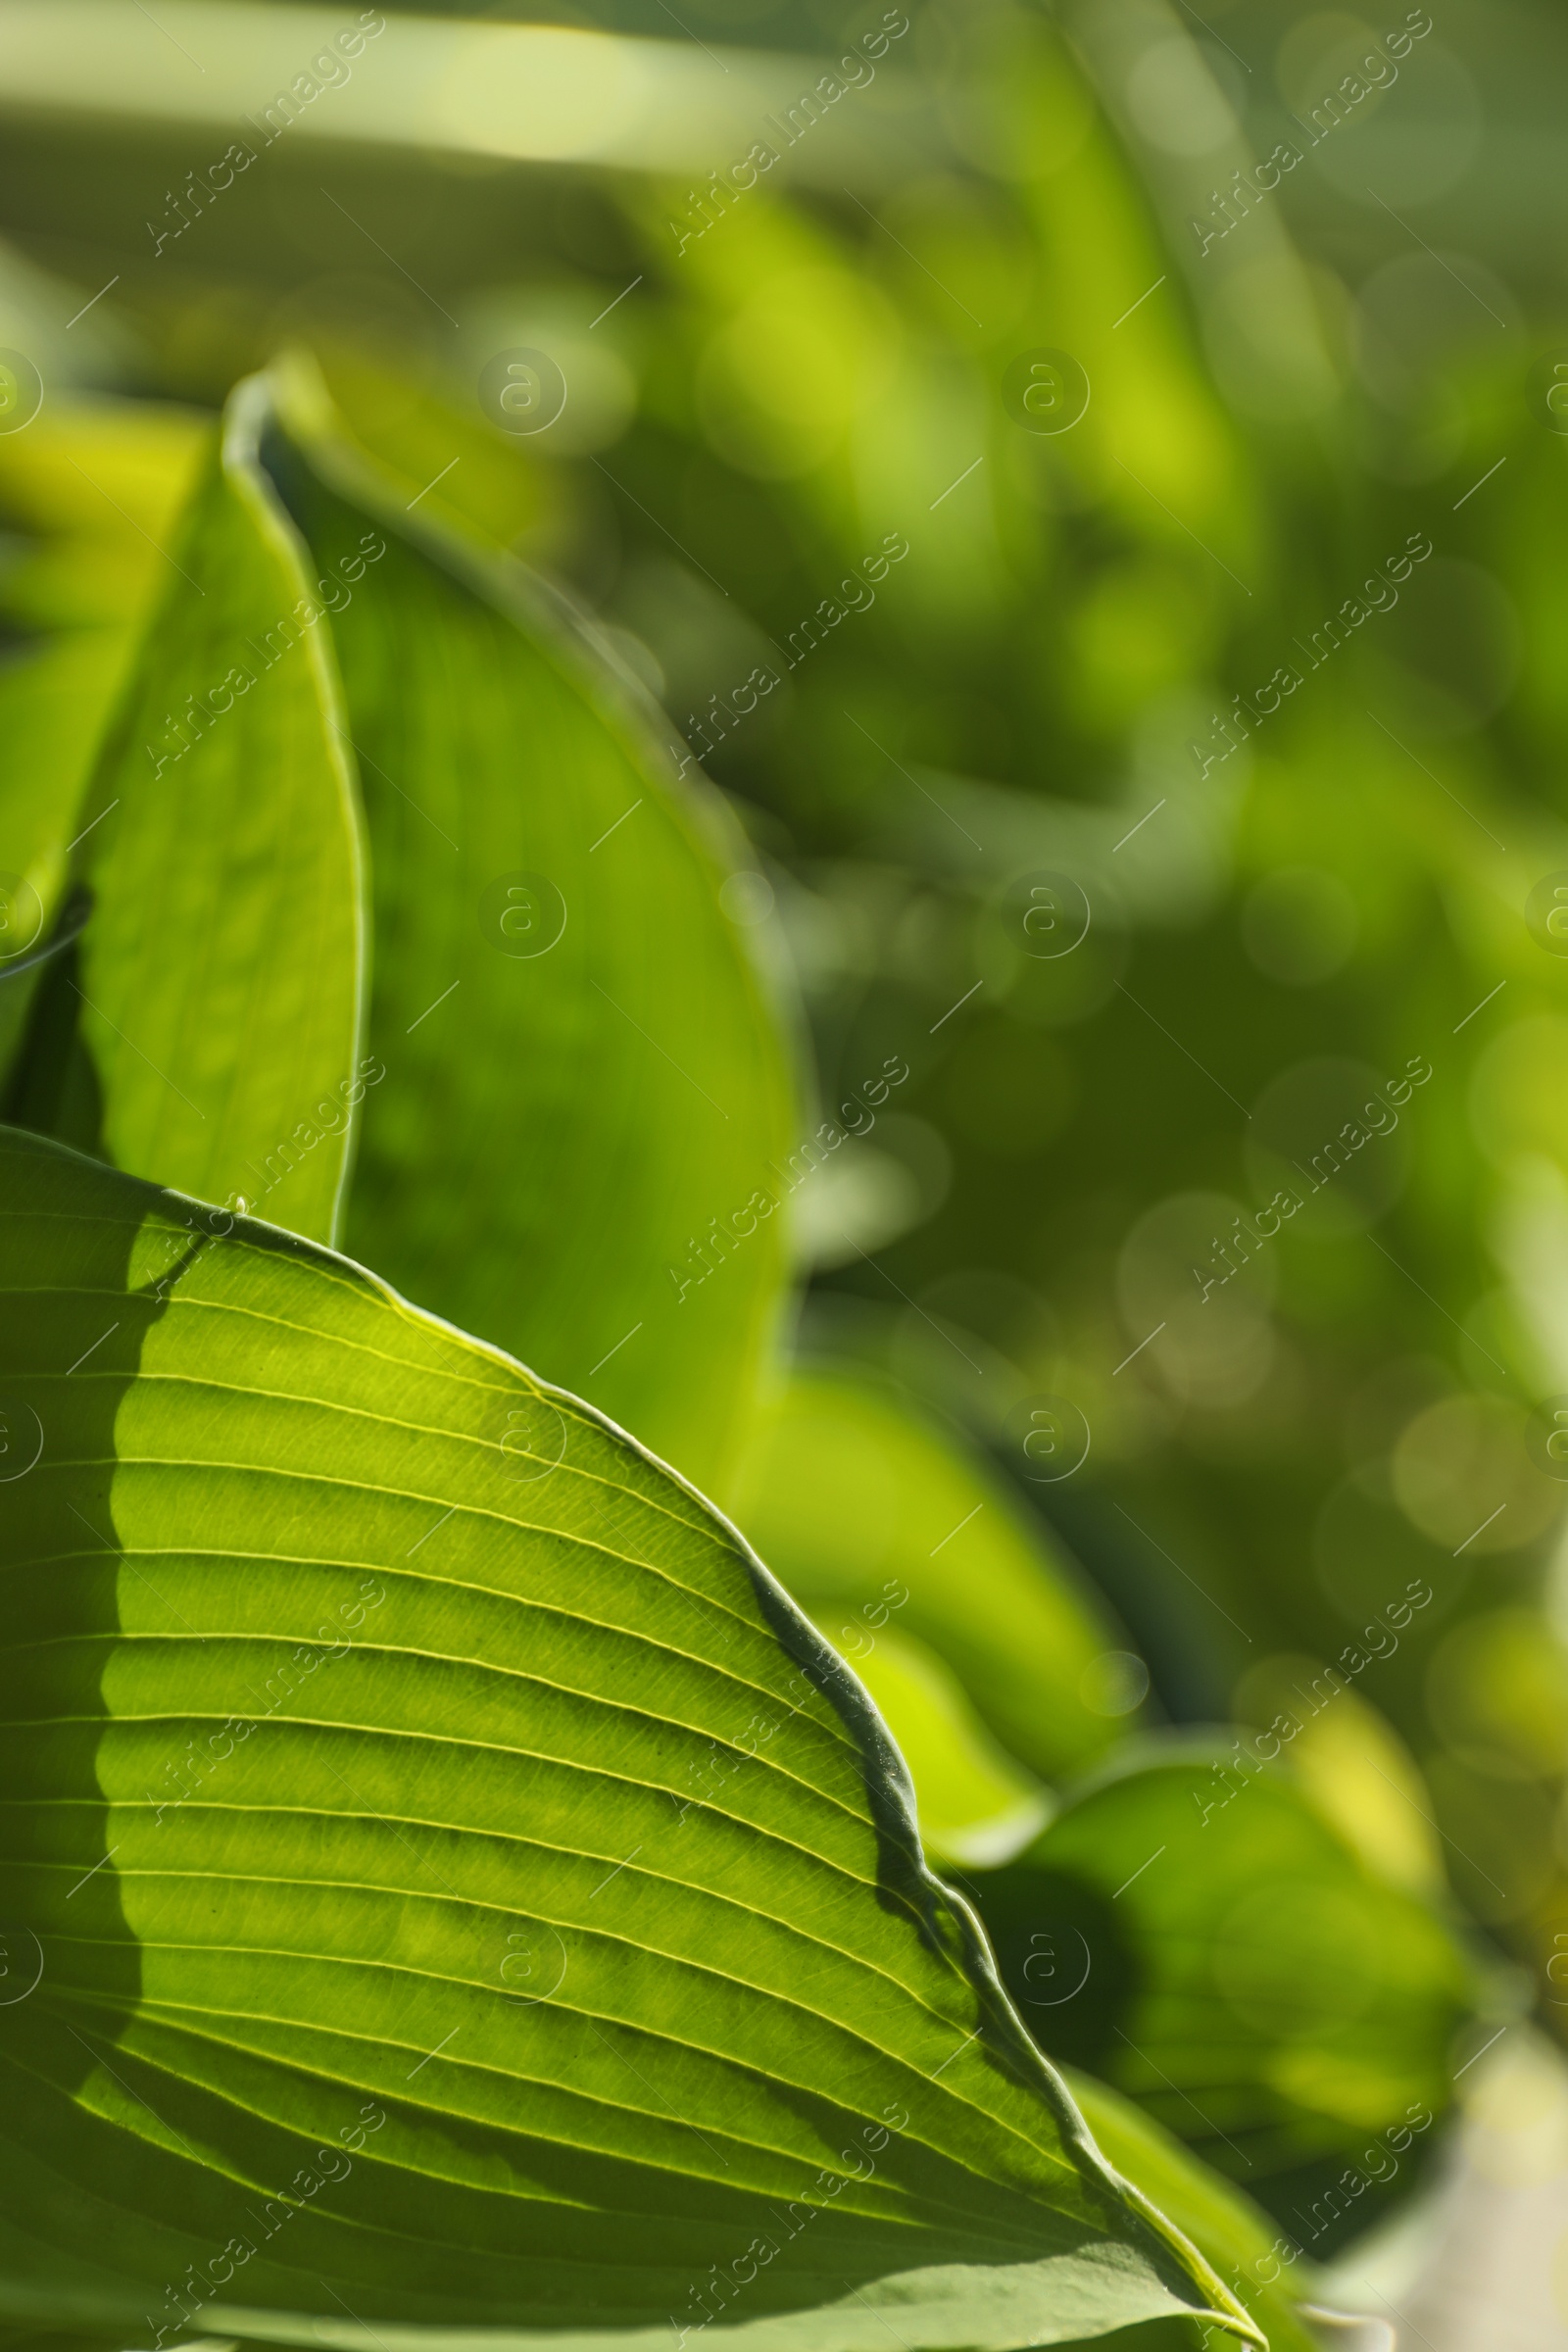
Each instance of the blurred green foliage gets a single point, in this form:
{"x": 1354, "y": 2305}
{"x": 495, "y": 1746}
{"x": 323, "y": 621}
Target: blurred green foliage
{"x": 1292, "y": 903}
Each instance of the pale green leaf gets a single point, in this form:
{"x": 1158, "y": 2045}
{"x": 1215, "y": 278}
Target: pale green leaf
{"x": 221, "y": 968}
{"x": 1350, "y": 1762}
{"x": 585, "y": 1073}
{"x": 466, "y": 1894}
{"x": 95, "y": 489}
{"x": 54, "y": 700}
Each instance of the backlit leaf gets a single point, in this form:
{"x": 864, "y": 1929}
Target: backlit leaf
{"x": 854, "y": 1498}
{"x": 221, "y": 968}
{"x": 459, "y": 1890}
{"x": 585, "y": 1076}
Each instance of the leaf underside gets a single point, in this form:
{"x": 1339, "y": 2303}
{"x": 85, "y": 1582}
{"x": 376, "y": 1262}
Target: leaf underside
{"x": 465, "y": 1892}
{"x": 1232, "y": 2233}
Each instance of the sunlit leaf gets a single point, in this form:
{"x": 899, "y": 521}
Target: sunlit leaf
{"x": 96, "y": 488}
{"x": 460, "y": 1891}
{"x": 221, "y": 967}
{"x": 585, "y": 1078}
{"x": 1266, "y": 2271}
{"x": 856, "y": 1498}
{"x": 94, "y": 491}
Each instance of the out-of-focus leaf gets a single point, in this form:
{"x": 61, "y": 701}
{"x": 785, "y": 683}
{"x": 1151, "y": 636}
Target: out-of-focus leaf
{"x": 488, "y": 487}
{"x": 469, "y": 1904}
{"x": 975, "y": 1803}
{"x": 586, "y": 1077}
{"x": 94, "y": 491}
{"x": 854, "y": 1496}
{"x": 1195, "y": 1933}
{"x": 96, "y": 488}
{"x": 221, "y": 967}
{"x": 1352, "y": 1764}
{"x": 54, "y": 701}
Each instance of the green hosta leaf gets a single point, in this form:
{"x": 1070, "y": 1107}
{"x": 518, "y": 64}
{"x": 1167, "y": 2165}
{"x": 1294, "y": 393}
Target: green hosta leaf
{"x": 1228, "y": 2230}
{"x": 220, "y": 970}
{"x": 852, "y": 1497}
{"x": 461, "y": 1892}
{"x": 1353, "y": 1768}
{"x": 977, "y": 1805}
{"x": 583, "y": 1070}
{"x": 1205, "y": 1940}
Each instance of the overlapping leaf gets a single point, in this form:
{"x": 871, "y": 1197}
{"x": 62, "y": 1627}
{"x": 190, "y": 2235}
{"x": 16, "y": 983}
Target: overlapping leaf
{"x": 464, "y": 1892}
{"x": 854, "y": 1498}
{"x": 584, "y": 1076}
